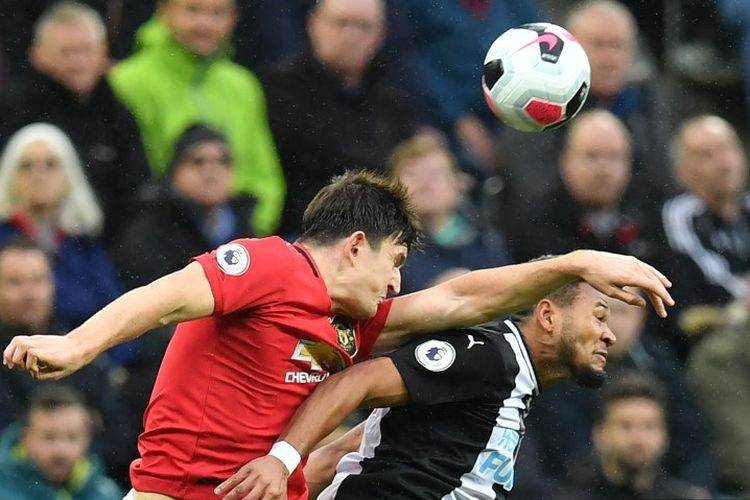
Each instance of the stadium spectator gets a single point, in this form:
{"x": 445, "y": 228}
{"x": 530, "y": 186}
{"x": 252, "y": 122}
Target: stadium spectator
{"x": 65, "y": 86}
{"x": 453, "y": 239}
{"x": 707, "y": 227}
{"x": 45, "y": 196}
{"x": 335, "y": 106}
{"x": 631, "y": 439}
{"x": 47, "y": 455}
{"x": 589, "y": 209}
{"x": 276, "y": 318}
{"x": 450, "y": 407}
{"x": 26, "y": 307}
{"x": 190, "y": 213}
{"x": 719, "y": 371}
{"x": 449, "y": 39}
{"x": 183, "y": 76}
{"x": 564, "y": 414}
{"x": 607, "y": 31}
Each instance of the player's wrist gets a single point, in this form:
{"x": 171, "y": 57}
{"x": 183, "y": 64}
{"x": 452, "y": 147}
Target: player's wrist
{"x": 287, "y": 454}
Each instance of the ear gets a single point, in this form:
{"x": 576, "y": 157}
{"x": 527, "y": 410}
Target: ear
{"x": 545, "y": 315}
{"x": 354, "y": 245}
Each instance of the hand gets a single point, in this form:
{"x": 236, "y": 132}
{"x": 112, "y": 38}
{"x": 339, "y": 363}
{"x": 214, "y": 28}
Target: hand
{"x": 45, "y": 357}
{"x": 261, "y": 479}
{"x": 611, "y": 273}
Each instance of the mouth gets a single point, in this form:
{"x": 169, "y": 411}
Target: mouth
{"x": 601, "y": 354}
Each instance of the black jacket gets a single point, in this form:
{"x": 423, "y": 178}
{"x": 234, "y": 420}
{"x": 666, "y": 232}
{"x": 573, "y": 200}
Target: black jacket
{"x": 104, "y": 133}
{"x": 321, "y": 128}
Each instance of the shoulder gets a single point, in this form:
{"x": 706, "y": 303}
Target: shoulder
{"x": 232, "y": 74}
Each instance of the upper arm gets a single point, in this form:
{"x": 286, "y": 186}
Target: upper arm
{"x": 383, "y": 382}
{"x": 186, "y": 294}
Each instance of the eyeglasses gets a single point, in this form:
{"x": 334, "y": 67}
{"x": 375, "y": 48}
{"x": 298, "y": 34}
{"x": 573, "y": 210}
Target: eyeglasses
{"x": 49, "y": 163}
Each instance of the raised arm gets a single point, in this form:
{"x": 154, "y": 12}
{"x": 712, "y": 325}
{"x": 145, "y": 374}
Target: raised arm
{"x": 486, "y": 294}
{"x": 373, "y": 383}
{"x": 321, "y": 466}
{"x": 180, "y": 296}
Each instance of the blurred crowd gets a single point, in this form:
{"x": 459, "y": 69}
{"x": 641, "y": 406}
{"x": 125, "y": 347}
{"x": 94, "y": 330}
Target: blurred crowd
{"x": 134, "y": 135}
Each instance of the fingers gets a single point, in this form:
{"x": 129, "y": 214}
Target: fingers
{"x": 230, "y": 483}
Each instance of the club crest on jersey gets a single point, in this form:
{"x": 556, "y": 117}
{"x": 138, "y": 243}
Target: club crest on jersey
{"x": 345, "y": 335}
{"x": 233, "y": 259}
{"x": 435, "y": 355}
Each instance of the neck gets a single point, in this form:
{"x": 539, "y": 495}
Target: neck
{"x": 46, "y": 214}
{"x": 640, "y": 480}
{"x": 330, "y": 266}
{"x": 548, "y": 368}
{"x": 725, "y": 207}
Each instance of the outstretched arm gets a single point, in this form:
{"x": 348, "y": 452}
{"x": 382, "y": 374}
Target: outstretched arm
{"x": 180, "y": 296}
{"x": 321, "y": 466}
{"x": 486, "y": 294}
{"x": 373, "y": 383}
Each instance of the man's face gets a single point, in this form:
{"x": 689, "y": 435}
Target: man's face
{"x": 71, "y": 53}
{"x": 56, "y": 440}
{"x": 713, "y": 165}
{"x": 432, "y": 184}
{"x": 585, "y": 337}
{"x": 608, "y": 40}
{"x": 627, "y": 323}
{"x": 373, "y": 275}
{"x": 202, "y": 26}
{"x": 346, "y": 34}
{"x": 596, "y": 163}
{"x": 633, "y": 434}
{"x": 205, "y": 174}
{"x": 26, "y": 288}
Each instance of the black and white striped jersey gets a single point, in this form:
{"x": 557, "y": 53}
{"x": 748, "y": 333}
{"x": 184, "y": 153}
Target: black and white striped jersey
{"x": 458, "y": 438}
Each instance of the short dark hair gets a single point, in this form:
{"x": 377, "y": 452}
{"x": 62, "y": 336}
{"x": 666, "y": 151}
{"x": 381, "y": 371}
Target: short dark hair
{"x": 632, "y": 385}
{"x": 54, "y": 396}
{"x": 563, "y": 296}
{"x": 23, "y": 244}
{"x": 361, "y": 201}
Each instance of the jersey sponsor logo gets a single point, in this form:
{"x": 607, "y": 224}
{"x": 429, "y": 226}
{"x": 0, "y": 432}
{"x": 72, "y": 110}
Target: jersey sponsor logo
{"x": 305, "y": 377}
{"x": 233, "y": 259}
{"x": 345, "y": 335}
{"x": 435, "y": 355}
{"x": 321, "y": 356}
{"x": 473, "y": 342}
{"x": 499, "y": 462}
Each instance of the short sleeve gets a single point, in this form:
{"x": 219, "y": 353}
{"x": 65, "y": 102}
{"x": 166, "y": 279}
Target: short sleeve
{"x": 245, "y": 273}
{"x": 370, "y": 329}
{"x": 456, "y": 366}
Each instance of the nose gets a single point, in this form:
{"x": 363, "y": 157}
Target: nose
{"x": 608, "y": 337}
{"x": 394, "y": 286}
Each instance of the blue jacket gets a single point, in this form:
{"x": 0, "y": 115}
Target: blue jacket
{"x": 21, "y": 480}
{"x": 85, "y": 279}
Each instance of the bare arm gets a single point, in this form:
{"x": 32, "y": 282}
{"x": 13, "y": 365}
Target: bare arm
{"x": 376, "y": 382}
{"x": 321, "y": 466}
{"x": 486, "y": 294}
{"x": 180, "y": 296}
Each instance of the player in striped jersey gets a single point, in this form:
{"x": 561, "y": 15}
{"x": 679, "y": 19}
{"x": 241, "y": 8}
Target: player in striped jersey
{"x": 450, "y": 407}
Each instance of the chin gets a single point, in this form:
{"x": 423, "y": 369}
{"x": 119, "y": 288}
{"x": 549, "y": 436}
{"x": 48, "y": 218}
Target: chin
{"x": 590, "y": 377}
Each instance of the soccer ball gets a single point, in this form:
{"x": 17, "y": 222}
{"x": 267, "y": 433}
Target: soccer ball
{"x": 536, "y": 77}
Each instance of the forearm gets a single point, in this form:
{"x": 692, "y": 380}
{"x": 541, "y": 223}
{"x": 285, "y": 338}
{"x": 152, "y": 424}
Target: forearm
{"x": 373, "y": 383}
{"x": 176, "y": 297}
{"x": 321, "y": 466}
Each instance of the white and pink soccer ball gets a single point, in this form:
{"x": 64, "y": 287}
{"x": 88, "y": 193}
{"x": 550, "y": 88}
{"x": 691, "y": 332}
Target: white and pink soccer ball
{"x": 536, "y": 77}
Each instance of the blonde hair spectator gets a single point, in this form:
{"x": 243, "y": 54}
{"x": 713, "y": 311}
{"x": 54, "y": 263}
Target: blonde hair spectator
{"x": 78, "y": 211}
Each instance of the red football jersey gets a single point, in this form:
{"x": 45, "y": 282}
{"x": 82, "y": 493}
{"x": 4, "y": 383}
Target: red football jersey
{"x": 230, "y": 383}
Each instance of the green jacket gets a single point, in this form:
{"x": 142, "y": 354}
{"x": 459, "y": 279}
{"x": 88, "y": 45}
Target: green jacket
{"x": 21, "y": 480}
{"x": 168, "y": 89}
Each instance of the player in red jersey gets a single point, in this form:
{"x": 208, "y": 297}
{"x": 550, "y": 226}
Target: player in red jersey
{"x": 264, "y": 320}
